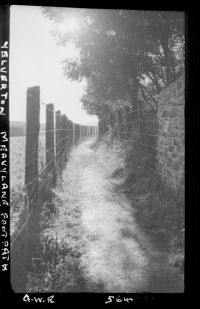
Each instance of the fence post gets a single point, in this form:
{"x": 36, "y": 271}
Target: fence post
{"x": 24, "y": 243}
{"x": 71, "y": 134}
{"x": 76, "y": 138}
{"x": 79, "y": 132}
{"x": 80, "y": 127}
{"x": 32, "y": 136}
{"x": 58, "y": 134}
{"x": 31, "y": 176}
{"x": 73, "y": 128}
{"x": 50, "y": 165}
{"x": 100, "y": 127}
{"x": 65, "y": 140}
{"x": 68, "y": 136}
{"x": 75, "y": 134}
{"x": 62, "y": 143}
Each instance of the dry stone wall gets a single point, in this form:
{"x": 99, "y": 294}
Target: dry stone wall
{"x": 171, "y": 133}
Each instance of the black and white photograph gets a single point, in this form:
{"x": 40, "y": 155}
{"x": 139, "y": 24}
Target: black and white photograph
{"x": 96, "y": 150}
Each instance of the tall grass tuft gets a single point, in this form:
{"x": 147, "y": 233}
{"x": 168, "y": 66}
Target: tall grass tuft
{"x": 58, "y": 269}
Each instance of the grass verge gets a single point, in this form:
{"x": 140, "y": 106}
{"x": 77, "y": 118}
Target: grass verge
{"x": 58, "y": 269}
{"x": 159, "y": 208}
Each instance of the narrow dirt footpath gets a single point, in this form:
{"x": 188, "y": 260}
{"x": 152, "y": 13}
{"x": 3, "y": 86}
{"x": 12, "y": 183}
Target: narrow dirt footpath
{"x": 118, "y": 257}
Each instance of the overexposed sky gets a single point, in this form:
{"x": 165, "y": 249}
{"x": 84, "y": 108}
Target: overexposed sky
{"x": 35, "y": 59}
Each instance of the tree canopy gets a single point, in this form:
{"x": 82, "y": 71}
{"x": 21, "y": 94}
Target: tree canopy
{"x": 122, "y": 53}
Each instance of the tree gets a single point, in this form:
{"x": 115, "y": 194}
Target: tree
{"x": 122, "y": 52}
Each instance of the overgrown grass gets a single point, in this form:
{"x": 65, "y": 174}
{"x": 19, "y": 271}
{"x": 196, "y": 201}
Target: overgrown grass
{"x": 17, "y": 176}
{"x": 159, "y": 208}
{"x": 58, "y": 269}
{"x": 17, "y": 201}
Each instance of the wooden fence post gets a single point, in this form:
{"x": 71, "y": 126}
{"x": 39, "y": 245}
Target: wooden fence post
{"x": 50, "y": 165}
{"x": 58, "y": 137}
{"x": 66, "y": 139}
{"x": 32, "y": 243}
{"x": 73, "y": 127}
{"x": 79, "y": 126}
{"x": 77, "y": 134}
{"x": 71, "y": 134}
{"x": 23, "y": 246}
{"x": 62, "y": 143}
{"x": 81, "y": 132}
{"x": 68, "y": 136}
{"x": 100, "y": 127}
{"x": 32, "y": 136}
{"x": 74, "y": 134}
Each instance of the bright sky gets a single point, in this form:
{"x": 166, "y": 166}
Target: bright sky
{"x": 35, "y": 59}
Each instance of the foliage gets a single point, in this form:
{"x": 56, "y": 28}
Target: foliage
{"x": 122, "y": 51}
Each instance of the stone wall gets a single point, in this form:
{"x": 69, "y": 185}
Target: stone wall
{"x": 171, "y": 133}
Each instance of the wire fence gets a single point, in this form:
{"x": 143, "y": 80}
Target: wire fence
{"x": 141, "y": 122}
{"x": 47, "y": 150}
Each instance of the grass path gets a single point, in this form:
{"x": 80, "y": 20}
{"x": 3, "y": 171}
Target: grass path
{"x": 114, "y": 260}
{"x": 118, "y": 257}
